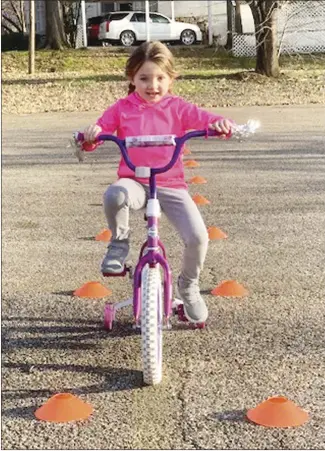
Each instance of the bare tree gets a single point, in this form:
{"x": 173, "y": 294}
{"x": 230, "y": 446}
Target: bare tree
{"x": 238, "y": 21}
{"x": 71, "y": 13}
{"x": 55, "y": 33}
{"x": 264, "y": 15}
{"x": 12, "y": 16}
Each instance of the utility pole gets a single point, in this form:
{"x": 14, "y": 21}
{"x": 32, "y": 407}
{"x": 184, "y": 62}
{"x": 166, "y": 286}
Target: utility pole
{"x": 84, "y": 23}
{"x": 31, "y": 46}
{"x": 147, "y": 20}
{"x": 210, "y": 22}
{"x": 229, "y": 24}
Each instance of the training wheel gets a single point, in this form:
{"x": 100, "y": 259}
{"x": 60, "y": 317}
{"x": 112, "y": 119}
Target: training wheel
{"x": 109, "y": 316}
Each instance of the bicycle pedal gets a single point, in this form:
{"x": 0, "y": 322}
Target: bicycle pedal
{"x": 182, "y": 318}
{"x": 127, "y": 269}
{"x": 181, "y": 314}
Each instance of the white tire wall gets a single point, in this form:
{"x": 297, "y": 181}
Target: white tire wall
{"x": 151, "y": 325}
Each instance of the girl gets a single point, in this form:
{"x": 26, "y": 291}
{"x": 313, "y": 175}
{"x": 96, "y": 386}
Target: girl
{"x": 151, "y": 109}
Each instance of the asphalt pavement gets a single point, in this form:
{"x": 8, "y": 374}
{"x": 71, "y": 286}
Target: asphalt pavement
{"x": 266, "y": 192}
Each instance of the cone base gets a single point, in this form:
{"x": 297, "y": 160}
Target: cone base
{"x": 279, "y": 412}
{"x": 198, "y": 180}
{"x": 92, "y": 290}
{"x": 230, "y": 288}
{"x": 191, "y": 164}
{"x": 62, "y": 408}
{"x": 216, "y": 234}
{"x": 200, "y": 200}
{"x": 104, "y": 235}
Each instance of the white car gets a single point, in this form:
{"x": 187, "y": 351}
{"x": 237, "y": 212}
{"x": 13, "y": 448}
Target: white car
{"x": 130, "y": 27}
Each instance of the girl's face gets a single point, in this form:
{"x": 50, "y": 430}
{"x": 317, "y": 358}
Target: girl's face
{"x": 151, "y": 83}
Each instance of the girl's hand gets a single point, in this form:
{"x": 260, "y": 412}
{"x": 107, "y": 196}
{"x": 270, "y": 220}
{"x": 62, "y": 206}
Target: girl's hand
{"x": 91, "y": 132}
{"x": 222, "y": 126}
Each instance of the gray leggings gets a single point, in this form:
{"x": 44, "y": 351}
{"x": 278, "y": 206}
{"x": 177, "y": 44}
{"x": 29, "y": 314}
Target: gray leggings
{"x": 177, "y": 205}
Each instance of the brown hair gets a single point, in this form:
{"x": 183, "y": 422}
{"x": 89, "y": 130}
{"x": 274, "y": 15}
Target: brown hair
{"x": 155, "y": 52}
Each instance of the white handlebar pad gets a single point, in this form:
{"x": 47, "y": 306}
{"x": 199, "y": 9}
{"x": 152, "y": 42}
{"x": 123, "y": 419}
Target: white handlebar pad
{"x": 245, "y": 130}
{"x": 150, "y": 141}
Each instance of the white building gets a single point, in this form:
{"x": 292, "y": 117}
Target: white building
{"x": 181, "y": 8}
{"x": 301, "y": 23}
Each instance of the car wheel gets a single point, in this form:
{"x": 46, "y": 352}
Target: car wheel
{"x": 188, "y": 37}
{"x": 127, "y": 38}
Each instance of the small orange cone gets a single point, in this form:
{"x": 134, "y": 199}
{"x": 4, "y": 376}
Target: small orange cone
{"x": 277, "y": 412}
{"x": 92, "y": 290}
{"x": 216, "y": 234}
{"x": 200, "y": 200}
{"x": 230, "y": 288}
{"x": 198, "y": 180}
{"x": 62, "y": 408}
{"x": 191, "y": 164}
{"x": 187, "y": 151}
{"x": 104, "y": 235}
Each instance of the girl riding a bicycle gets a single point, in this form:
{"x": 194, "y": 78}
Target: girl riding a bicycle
{"x": 151, "y": 109}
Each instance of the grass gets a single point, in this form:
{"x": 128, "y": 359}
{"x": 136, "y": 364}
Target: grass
{"x": 208, "y": 77}
{"x": 111, "y": 61}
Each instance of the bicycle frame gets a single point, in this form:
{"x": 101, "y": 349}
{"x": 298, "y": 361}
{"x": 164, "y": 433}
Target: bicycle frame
{"x": 153, "y": 245}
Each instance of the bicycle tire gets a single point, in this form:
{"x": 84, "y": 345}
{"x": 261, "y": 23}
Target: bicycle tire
{"x": 151, "y": 325}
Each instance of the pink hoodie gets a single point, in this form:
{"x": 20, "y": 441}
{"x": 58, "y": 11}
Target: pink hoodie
{"x": 133, "y": 116}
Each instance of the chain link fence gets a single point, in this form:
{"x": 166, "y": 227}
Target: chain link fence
{"x": 300, "y": 29}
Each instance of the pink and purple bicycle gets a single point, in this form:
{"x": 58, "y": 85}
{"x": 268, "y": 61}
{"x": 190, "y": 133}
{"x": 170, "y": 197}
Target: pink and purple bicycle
{"x": 153, "y": 302}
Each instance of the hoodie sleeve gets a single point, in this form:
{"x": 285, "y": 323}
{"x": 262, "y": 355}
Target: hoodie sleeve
{"x": 109, "y": 121}
{"x": 194, "y": 118}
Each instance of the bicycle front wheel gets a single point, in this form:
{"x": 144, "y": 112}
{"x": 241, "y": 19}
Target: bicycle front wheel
{"x": 151, "y": 325}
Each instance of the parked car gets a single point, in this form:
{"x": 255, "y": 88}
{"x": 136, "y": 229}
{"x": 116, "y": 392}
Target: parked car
{"x": 130, "y": 26}
{"x": 93, "y": 29}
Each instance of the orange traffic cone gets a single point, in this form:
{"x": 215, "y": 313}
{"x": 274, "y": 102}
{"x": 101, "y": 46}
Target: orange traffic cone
{"x": 92, "y": 290}
{"x": 200, "y": 200}
{"x": 62, "y": 408}
{"x": 278, "y": 412}
{"x": 216, "y": 234}
{"x": 187, "y": 151}
{"x": 191, "y": 164}
{"x": 230, "y": 288}
{"x": 104, "y": 235}
{"x": 198, "y": 180}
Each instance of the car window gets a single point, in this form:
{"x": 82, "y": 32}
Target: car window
{"x": 95, "y": 20}
{"x": 106, "y": 17}
{"x": 157, "y": 18}
{"x": 118, "y": 16}
{"x": 138, "y": 17}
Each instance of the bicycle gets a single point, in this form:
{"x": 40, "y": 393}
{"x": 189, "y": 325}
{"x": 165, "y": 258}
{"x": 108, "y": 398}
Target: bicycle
{"x": 152, "y": 300}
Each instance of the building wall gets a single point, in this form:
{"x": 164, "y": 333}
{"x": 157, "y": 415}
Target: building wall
{"x": 200, "y": 9}
{"x": 40, "y": 17}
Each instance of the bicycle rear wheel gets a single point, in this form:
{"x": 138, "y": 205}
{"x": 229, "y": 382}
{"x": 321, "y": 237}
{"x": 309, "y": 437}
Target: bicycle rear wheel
{"x": 151, "y": 325}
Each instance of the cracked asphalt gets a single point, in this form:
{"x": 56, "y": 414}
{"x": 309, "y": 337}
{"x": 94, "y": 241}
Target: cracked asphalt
{"x": 267, "y": 193}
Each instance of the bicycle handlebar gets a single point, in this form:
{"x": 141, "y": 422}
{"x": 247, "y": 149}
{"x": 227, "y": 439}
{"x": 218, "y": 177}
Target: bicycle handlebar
{"x": 178, "y": 142}
{"x": 236, "y": 131}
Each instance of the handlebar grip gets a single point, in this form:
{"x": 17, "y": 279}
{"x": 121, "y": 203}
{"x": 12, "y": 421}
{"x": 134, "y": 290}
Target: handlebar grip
{"x": 78, "y": 136}
{"x": 85, "y": 146}
{"x": 211, "y": 132}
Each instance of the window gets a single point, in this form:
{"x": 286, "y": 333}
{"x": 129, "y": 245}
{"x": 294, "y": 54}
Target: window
{"x": 95, "y": 20}
{"x": 126, "y": 7}
{"x": 157, "y": 18}
{"x": 118, "y": 16}
{"x": 107, "y": 7}
{"x": 138, "y": 17}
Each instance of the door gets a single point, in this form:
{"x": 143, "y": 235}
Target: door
{"x": 160, "y": 27}
{"x": 138, "y": 21}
